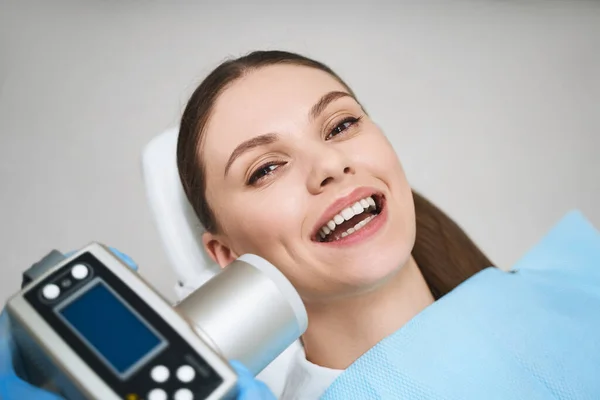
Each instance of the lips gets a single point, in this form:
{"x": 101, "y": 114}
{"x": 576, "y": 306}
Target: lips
{"x": 348, "y": 215}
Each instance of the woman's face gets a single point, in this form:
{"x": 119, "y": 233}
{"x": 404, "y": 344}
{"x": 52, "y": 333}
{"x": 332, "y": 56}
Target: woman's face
{"x": 297, "y": 173}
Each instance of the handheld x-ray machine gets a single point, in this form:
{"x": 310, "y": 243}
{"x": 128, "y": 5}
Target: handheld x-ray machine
{"x": 88, "y": 327}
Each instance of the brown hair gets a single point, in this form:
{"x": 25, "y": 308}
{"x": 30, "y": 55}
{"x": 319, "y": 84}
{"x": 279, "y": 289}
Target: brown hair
{"x": 444, "y": 253}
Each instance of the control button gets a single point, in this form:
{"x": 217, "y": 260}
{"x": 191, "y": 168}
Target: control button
{"x": 51, "y": 291}
{"x": 184, "y": 394}
{"x": 186, "y": 373}
{"x": 160, "y": 374}
{"x": 80, "y": 271}
{"x": 157, "y": 394}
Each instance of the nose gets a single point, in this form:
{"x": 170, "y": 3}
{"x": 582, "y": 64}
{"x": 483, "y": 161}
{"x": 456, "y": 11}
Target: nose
{"x": 329, "y": 167}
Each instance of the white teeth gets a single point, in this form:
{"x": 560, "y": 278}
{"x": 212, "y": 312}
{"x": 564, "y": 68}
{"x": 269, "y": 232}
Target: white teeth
{"x": 347, "y": 213}
{"x": 358, "y": 226}
{"x": 357, "y": 208}
{"x": 361, "y": 224}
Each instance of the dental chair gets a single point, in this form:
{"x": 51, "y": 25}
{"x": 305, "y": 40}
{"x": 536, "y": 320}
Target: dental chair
{"x": 180, "y": 232}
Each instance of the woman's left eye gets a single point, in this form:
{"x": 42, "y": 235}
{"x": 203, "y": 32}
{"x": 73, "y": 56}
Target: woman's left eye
{"x": 342, "y": 126}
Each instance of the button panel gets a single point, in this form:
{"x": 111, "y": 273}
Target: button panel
{"x": 64, "y": 283}
{"x": 187, "y": 384}
{"x": 176, "y": 370}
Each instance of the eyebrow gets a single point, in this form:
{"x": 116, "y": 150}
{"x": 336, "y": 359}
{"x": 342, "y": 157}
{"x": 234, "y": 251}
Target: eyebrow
{"x": 269, "y": 138}
{"x": 248, "y": 145}
{"x": 324, "y": 101}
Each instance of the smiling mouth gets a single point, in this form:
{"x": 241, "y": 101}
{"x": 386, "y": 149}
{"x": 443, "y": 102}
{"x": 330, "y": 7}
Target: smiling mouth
{"x": 351, "y": 219}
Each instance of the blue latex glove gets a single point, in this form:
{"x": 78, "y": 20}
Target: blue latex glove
{"x": 11, "y": 386}
{"x": 250, "y": 388}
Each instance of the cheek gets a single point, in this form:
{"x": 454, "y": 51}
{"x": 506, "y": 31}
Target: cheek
{"x": 267, "y": 219}
{"x": 376, "y": 153}
{"x": 383, "y": 163}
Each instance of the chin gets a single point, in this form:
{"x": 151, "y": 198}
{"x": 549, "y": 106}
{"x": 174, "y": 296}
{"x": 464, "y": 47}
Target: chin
{"x": 377, "y": 266}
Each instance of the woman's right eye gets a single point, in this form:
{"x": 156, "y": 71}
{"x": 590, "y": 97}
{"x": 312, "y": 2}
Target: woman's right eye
{"x": 262, "y": 172}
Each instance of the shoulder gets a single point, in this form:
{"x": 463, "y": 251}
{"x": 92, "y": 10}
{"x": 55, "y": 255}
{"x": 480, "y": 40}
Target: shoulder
{"x": 305, "y": 380}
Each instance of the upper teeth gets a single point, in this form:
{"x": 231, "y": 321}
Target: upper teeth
{"x": 366, "y": 204}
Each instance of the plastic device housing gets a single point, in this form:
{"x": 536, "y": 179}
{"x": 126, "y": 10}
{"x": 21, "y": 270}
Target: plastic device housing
{"x": 49, "y": 327}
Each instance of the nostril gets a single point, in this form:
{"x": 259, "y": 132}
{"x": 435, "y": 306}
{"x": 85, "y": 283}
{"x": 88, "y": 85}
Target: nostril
{"x": 347, "y": 170}
{"x": 326, "y": 181}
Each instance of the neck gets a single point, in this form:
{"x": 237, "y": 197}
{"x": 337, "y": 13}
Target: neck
{"x": 340, "y": 332}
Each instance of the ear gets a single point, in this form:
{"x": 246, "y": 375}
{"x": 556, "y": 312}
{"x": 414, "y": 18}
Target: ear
{"x": 218, "y": 249}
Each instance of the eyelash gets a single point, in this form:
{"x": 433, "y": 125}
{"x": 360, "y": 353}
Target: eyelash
{"x": 348, "y": 120}
{"x": 266, "y": 169}
{"x": 263, "y": 171}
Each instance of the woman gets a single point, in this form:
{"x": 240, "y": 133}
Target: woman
{"x": 278, "y": 158}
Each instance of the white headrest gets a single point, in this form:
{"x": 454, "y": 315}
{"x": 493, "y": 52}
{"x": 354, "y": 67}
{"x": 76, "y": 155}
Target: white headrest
{"x": 176, "y": 221}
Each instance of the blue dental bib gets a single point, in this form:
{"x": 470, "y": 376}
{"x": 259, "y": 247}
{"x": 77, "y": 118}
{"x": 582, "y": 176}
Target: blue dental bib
{"x": 532, "y": 333}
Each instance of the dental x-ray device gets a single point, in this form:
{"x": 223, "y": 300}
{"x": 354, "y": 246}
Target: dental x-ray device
{"x": 89, "y": 327}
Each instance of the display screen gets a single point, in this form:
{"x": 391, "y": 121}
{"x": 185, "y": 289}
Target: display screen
{"x": 110, "y": 327}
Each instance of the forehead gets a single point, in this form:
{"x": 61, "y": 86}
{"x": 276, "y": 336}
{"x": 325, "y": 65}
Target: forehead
{"x": 271, "y": 99}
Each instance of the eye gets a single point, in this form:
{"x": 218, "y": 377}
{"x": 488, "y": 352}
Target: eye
{"x": 263, "y": 171}
{"x": 344, "y": 125}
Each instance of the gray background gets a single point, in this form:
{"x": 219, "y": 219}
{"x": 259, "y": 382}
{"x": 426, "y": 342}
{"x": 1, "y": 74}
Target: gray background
{"x": 493, "y": 107}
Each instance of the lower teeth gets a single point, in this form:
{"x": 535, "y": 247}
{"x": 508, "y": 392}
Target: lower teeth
{"x": 356, "y": 228}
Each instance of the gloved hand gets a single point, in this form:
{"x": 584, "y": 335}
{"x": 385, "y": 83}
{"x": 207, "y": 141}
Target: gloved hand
{"x": 248, "y": 387}
{"x": 11, "y": 386}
